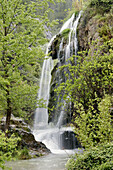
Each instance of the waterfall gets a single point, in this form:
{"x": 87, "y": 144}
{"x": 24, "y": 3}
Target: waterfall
{"x": 56, "y": 137}
{"x": 67, "y": 51}
{"x": 41, "y": 115}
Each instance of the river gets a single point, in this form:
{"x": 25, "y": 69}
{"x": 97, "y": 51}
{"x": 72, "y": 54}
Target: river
{"x": 49, "y": 162}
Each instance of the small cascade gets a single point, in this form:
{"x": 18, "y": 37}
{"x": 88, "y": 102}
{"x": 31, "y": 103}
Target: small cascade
{"x": 54, "y": 135}
{"x": 68, "y": 23}
{"x": 72, "y": 42}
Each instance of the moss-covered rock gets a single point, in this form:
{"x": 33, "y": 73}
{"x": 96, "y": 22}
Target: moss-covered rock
{"x": 22, "y": 130}
{"x": 65, "y": 35}
{"x": 55, "y": 47}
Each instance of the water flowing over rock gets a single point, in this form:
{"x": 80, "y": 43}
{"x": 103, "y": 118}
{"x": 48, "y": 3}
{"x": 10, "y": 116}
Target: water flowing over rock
{"x": 41, "y": 116}
{"x": 63, "y": 47}
{"x": 54, "y": 135}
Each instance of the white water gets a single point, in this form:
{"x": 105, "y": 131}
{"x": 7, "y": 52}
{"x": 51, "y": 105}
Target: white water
{"x": 68, "y": 23}
{"x": 49, "y": 134}
{"x": 51, "y": 137}
{"x": 72, "y": 37}
{"x": 41, "y": 115}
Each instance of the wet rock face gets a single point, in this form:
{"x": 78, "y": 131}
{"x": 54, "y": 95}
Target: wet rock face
{"x": 69, "y": 141}
{"x": 55, "y": 47}
{"x": 87, "y": 32}
{"x": 55, "y": 100}
{"x": 58, "y": 77}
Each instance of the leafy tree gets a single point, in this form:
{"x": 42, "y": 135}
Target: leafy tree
{"x": 22, "y": 35}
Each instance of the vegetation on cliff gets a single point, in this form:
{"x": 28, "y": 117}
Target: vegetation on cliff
{"x": 90, "y": 87}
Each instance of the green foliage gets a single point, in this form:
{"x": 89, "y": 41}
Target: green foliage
{"x": 7, "y": 148}
{"x": 22, "y": 35}
{"x": 23, "y": 96}
{"x": 94, "y": 129}
{"x": 106, "y": 166}
{"x": 3, "y": 87}
{"x": 101, "y": 6}
{"x": 65, "y": 32}
{"x": 97, "y": 158}
{"x": 83, "y": 85}
{"x": 23, "y": 154}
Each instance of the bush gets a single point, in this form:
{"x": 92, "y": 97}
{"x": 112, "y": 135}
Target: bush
{"x": 97, "y": 158}
{"x": 106, "y": 166}
{"x": 23, "y": 154}
{"x": 94, "y": 129}
{"x": 8, "y": 148}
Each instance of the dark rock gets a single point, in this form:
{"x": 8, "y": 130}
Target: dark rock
{"x": 69, "y": 140}
{"x": 54, "y": 47}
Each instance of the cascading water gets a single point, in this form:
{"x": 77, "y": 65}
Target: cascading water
{"x": 55, "y": 136}
{"x": 41, "y": 116}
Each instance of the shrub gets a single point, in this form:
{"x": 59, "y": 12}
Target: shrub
{"x": 97, "y": 128}
{"x": 8, "y": 148}
{"x": 97, "y": 158}
{"x": 24, "y": 154}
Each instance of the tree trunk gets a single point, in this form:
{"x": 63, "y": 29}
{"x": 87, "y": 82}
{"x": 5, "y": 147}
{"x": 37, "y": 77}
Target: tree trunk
{"x": 8, "y": 112}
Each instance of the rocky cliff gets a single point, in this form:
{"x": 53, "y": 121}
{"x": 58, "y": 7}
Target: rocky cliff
{"x": 94, "y": 30}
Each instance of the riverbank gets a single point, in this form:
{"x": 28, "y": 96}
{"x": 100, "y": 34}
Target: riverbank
{"x": 29, "y": 147}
